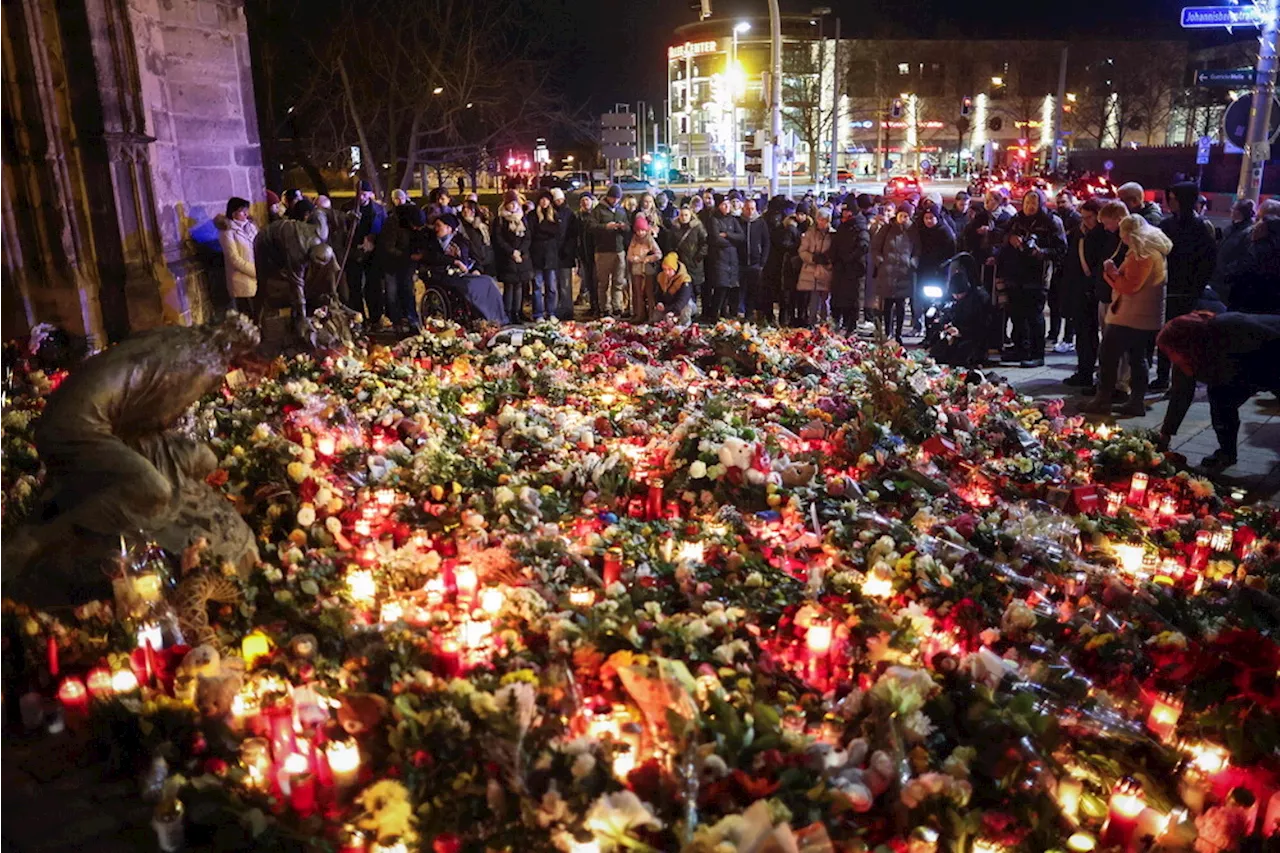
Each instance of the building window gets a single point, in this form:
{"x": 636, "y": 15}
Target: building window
{"x": 684, "y": 124}
{"x": 931, "y": 81}
{"x": 904, "y": 69}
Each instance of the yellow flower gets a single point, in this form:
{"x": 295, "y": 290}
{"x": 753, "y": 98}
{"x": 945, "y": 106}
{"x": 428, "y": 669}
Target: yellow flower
{"x": 297, "y": 472}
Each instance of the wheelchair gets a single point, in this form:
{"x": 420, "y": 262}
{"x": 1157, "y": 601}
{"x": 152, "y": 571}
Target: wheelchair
{"x": 462, "y": 299}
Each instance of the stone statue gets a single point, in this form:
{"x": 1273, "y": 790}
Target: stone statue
{"x": 297, "y": 266}
{"x": 118, "y": 463}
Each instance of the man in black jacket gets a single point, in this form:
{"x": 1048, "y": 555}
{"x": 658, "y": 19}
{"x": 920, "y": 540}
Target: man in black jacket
{"x": 1035, "y": 242}
{"x": 568, "y": 243}
{"x": 752, "y": 256}
{"x": 1234, "y": 248}
{"x": 850, "y": 245}
{"x": 1061, "y": 315}
{"x": 723, "y": 240}
{"x": 611, "y": 230}
{"x": 1190, "y": 261}
{"x": 364, "y": 283}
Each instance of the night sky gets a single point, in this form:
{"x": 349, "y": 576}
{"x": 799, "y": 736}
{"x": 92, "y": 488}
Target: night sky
{"x": 614, "y": 49}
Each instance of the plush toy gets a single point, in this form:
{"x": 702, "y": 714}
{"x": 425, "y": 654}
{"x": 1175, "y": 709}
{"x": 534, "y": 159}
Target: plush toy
{"x": 736, "y": 453}
{"x": 215, "y": 695}
{"x": 200, "y": 661}
{"x": 361, "y": 713}
{"x": 209, "y": 680}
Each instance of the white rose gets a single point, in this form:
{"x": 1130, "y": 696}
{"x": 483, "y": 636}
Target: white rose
{"x": 698, "y": 469}
{"x": 583, "y": 765}
{"x": 306, "y": 515}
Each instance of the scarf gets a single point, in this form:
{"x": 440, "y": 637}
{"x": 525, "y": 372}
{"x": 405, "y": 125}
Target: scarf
{"x": 515, "y": 221}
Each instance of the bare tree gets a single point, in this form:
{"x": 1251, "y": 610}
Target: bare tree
{"x": 413, "y": 82}
{"x": 803, "y": 79}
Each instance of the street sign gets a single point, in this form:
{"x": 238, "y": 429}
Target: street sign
{"x": 1235, "y": 122}
{"x": 1202, "y": 150}
{"x": 1211, "y": 17}
{"x": 1225, "y": 78}
{"x": 618, "y": 136}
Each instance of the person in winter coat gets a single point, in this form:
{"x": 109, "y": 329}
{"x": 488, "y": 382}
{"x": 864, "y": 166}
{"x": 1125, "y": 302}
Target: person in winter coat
{"x": 896, "y": 254}
{"x": 691, "y": 248}
{"x": 585, "y": 253}
{"x": 1135, "y": 315}
{"x": 546, "y": 228}
{"x": 959, "y": 214}
{"x": 1234, "y": 247}
{"x": 476, "y": 230}
{"x": 1134, "y": 198}
{"x": 235, "y": 235}
{"x": 1034, "y": 243}
{"x": 1255, "y": 286}
{"x": 752, "y": 257}
{"x": 1234, "y": 354}
{"x": 673, "y": 291}
{"x": 611, "y": 230}
{"x": 964, "y": 340}
{"x": 790, "y": 300}
{"x": 1191, "y": 261}
{"x": 1078, "y": 293}
{"x": 364, "y": 279}
{"x": 649, "y": 208}
{"x": 724, "y": 241}
{"x": 937, "y": 246}
{"x": 850, "y": 246}
{"x": 643, "y": 256}
{"x": 817, "y": 261}
{"x": 567, "y": 241}
{"x": 511, "y": 249}
{"x": 784, "y": 242}
{"x": 401, "y": 246}
{"x": 1061, "y": 306}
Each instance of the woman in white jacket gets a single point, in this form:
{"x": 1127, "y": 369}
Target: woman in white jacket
{"x": 235, "y": 234}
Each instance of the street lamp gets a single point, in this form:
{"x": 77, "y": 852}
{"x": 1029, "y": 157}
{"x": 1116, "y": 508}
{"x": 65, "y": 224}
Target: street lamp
{"x": 737, "y": 79}
{"x": 438, "y": 90}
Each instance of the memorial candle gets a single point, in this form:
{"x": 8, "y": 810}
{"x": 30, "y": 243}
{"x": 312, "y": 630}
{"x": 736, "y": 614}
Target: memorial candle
{"x": 1114, "y": 501}
{"x": 74, "y": 698}
{"x": 612, "y": 566}
{"x": 466, "y": 581}
{"x": 255, "y": 645}
{"x": 362, "y": 586}
{"x": 653, "y": 506}
{"x": 344, "y": 761}
{"x": 1168, "y": 506}
{"x": 99, "y": 683}
{"x": 1138, "y": 488}
{"x": 1163, "y": 718}
{"x": 302, "y": 784}
{"x": 492, "y": 600}
{"x": 581, "y": 596}
{"x": 1070, "y": 790}
{"x": 51, "y": 650}
{"x": 326, "y": 445}
{"x": 1200, "y": 556}
{"x": 1222, "y": 540}
{"x": 1122, "y": 814}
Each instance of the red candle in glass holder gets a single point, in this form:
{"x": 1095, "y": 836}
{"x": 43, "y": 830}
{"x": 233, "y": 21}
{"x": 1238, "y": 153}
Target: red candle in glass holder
{"x": 1245, "y": 537}
{"x": 302, "y": 784}
{"x": 74, "y": 698}
{"x": 466, "y": 582}
{"x": 1138, "y": 488}
{"x": 282, "y": 740}
{"x": 612, "y": 566}
{"x": 1122, "y": 817}
{"x": 1200, "y": 556}
{"x": 653, "y": 507}
{"x": 449, "y": 658}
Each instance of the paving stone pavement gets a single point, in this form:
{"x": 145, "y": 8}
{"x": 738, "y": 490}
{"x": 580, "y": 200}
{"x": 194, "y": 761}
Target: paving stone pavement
{"x": 1257, "y": 472}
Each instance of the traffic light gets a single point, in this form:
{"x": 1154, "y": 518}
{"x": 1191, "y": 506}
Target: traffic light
{"x": 897, "y": 108}
{"x": 702, "y": 7}
{"x": 760, "y": 157}
{"x": 966, "y": 105}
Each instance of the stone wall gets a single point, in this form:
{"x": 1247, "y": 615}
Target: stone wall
{"x": 151, "y": 128}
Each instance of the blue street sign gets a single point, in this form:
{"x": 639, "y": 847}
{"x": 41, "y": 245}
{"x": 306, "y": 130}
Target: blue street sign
{"x": 1202, "y": 17}
{"x": 1226, "y": 78}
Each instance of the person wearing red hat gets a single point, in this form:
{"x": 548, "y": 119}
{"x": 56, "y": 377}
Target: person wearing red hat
{"x": 643, "y": 256}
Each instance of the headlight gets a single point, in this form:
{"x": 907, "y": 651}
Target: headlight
{"x": 932, "y": 291}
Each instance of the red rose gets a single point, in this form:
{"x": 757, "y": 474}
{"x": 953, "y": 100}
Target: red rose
{"x": 446, "y": 842}
{"x": 217, "y": 478}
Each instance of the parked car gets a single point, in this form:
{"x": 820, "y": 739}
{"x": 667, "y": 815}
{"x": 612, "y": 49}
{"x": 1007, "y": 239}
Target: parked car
{"x": 676, "y": 176}
{"x": 634, "y": 184}
{"x": 901, "y": 186}
{"x": 1090, "y": 185}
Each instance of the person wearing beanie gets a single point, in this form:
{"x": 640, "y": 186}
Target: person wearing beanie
{"x": 784, "y": 241}
{"x": 725, "y": 241}
{"x": 364, "y": 277}
{"x": 611, "y": 230}
{"x": 850, "y": 246}
{"x": 752, "y": 257}
{"x": 584, "y": 253}
{"x": 643, "y": 256}
{"x": 401, "y": 247}
{"x": 511, "y": 242}
{"x": 1234, "y": 247}
{"x": 1191, "y": 261}
{"x": 547, "y": 229}
{"x": 236, "y": 232}
{"x": 817, "y": 260}
{"x": 673, "y": 291}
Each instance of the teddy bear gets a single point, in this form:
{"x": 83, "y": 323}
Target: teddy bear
{"x": 210, "y": 681}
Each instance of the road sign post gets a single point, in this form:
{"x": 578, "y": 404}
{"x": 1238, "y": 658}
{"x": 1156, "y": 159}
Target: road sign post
{"x": 1225, "y": 78}
{"x": 1258, "y": 145}
{"x": 1212, "y": 17}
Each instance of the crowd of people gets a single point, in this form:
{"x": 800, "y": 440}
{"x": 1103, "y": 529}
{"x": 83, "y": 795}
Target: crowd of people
{"x": 1109, "y": 273}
